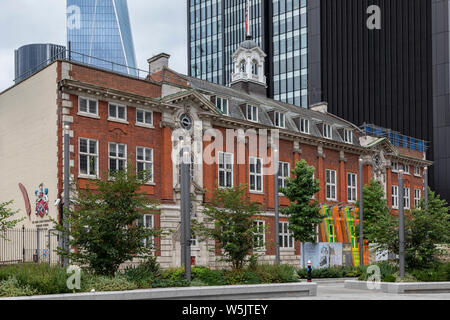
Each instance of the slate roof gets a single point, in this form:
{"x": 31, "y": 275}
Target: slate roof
{"x": 237, "y": 98}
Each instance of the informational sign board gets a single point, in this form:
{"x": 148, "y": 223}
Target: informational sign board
{"x": 323, "y": 254}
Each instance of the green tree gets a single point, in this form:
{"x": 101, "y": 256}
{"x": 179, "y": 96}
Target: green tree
{"x": 6, "y": 214}
{"x": 228, "y": 219}
{"x": 303, "y": 212}
{"x": 103, "y": 222}
{"x": 379, "y": 226}
{"x": 424, "y": 231}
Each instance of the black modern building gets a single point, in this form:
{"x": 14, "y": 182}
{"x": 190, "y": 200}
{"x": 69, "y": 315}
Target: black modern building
{"x": 441, "y": 95}
{"x": 31, "y": 58}
{"x": 327, "y": 50}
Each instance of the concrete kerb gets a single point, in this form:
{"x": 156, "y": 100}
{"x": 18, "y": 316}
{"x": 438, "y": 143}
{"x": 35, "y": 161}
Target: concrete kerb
{"x": 192, "y": 293}
{"x": 402, "y": 287}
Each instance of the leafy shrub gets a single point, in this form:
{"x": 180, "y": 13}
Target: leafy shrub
{"x": 173, "y": 274}
{"x": 208, "y": 276}
{"x": 276, "y": 273}
{"x": 144, "y": 274}
{"x": 43, "y": 278}
{"x": 386, "y": 269}
{"x": 12, "y": 288}
{"x": 105, "y": 283}
{"x": 389, "y": 278}
{"x": 439, "y": 272}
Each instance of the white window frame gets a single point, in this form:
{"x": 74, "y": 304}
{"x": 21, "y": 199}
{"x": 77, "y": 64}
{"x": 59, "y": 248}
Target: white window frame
{"x": 394, "y": 165}
{"x": 253, "y": 113}
{"x": 279, "y": 119}
{"x": 116, "y": 157}
{"x": 394, "y": 197}
{"x": 89, "y": 155}
{"x": 145, "y": 123}
{"x": 407, "y": 197}
{"x": 352, "y": 189}
{"x": 261, "y": 224}
{"x": 117, "y": 107}
{"x": 417, "y": 197}
{"x": 283, "y": 173}
{"x": 417, "y": 171}
{"x": 148, "y": 164}
{"x": 87, "y": 113}
{"x": 330, "y": 185}
{"x": 406, "y": 168}
{"x": 286, "y": 238}
{"x": 256, "y": 174}
{"x": 327, "y": 131}
{"x": 304, "y": 126}
{"x": 225, "y": 167}
{"x": 220, "y": 105}
{"x": 348, "y": 136}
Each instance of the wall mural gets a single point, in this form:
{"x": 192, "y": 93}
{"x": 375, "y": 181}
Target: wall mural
{"x": 339, "y": 226}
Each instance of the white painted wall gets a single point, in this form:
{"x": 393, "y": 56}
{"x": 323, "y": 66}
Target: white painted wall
{"x": 28, "y": 142}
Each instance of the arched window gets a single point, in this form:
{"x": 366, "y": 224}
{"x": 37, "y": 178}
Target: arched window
{"x": 242, "y": 66}
{"x": 255, "y": 68}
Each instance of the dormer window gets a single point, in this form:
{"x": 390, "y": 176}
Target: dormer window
{"x": 242, "y": 66}
{"x": 348, "y": 136}
{"x": 222, "y": 105}
{"x": 327, "y": 131}
{"x": 279, "y": 120}
{"x": 304, "y": 126}
{"x": 252, "y": 113}
{"x": 255, "y": 68}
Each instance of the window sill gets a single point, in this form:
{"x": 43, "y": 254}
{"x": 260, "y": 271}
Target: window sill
{"x": 143, "y": 125}
{"x": 150, "y": 184}
{"x": 287, "y": 249}
{"x": 118, "y": 120}
{"x": 88, "y": 115}
{"x": 257, "y": 192}
{"x": 84, "y": 176}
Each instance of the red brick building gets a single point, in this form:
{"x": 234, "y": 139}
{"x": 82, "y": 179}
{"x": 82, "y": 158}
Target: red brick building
{"x": 113, "y": 117}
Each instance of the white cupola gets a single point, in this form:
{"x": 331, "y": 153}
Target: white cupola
{"x": 248, "y": 61}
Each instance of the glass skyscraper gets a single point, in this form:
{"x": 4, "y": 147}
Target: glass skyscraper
{"x": 99, "y": 33}
{"x": 279, "y": 27}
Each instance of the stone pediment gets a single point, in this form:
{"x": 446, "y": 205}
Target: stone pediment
{"x": 195, "y": 99}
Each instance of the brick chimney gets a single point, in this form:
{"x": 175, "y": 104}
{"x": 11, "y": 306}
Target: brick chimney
{"x": 158, "y": 62}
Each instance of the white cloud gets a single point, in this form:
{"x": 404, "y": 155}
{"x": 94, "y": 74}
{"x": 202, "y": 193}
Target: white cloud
{"x": 157, "y": 26}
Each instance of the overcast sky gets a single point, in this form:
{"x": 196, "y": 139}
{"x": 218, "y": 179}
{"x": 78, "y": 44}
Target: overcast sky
{"x": 157, "y": 26}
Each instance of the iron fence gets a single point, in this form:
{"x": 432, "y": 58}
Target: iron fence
{"x": 29, "y": 245}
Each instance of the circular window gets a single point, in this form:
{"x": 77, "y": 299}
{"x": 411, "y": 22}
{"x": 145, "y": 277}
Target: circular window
{"x": 186, "y": 121}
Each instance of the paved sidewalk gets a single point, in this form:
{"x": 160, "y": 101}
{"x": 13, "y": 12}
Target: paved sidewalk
{"x": 336, "y": 291}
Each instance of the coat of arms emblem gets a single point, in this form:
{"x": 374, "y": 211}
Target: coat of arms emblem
{"x": 41, "y": 201}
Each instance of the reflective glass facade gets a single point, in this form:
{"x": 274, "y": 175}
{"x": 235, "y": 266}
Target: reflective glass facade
{"x": 31, "y": 58}
{"x": 206, "y": 39}
{"x": 290, "y": 51}
{"x": 278, "y": 26}
{"x": 104, "y": 32}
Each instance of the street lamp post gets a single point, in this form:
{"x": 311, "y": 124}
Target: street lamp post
{"x": 425, "y": 187}
{"x": 401, "y": 225}
{"x": 276, "y": 205}
{"x": 66, "y": 207}
{"x": 361, "y": 214}
{"x": 185, "y": 214}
